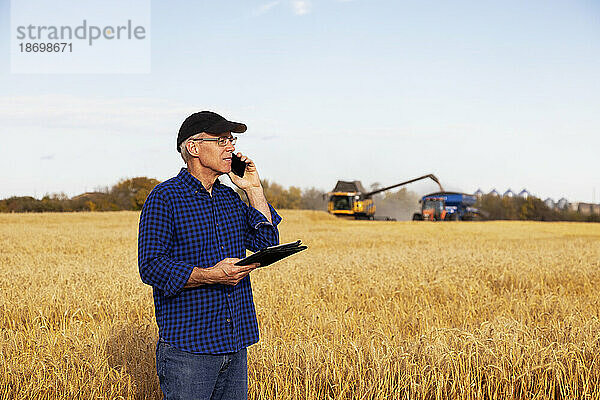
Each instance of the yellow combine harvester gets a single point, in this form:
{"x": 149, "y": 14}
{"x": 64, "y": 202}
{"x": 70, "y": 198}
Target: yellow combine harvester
{"x": 349, "y": 199}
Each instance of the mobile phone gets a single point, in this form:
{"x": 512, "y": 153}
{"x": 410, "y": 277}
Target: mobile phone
{"x": 238, "y": 167}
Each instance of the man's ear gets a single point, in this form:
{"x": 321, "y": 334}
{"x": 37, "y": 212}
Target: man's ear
{"x": 192, "y": 149}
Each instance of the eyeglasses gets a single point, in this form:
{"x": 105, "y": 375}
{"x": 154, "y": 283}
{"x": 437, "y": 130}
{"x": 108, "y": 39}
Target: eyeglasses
{"x": 221, "y": 141}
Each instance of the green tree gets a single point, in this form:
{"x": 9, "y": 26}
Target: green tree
{"x": 130, "y": 194}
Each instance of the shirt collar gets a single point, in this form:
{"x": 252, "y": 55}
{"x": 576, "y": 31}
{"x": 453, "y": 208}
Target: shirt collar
{"x": 191, "y": 182}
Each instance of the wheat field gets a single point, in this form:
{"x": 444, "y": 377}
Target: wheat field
{"x": 373, "y": 310}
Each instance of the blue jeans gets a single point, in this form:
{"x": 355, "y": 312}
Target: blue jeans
{"x": 185, "y": 375}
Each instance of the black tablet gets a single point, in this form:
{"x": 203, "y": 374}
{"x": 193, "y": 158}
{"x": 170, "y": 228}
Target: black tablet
{"x": 269, "y": 255}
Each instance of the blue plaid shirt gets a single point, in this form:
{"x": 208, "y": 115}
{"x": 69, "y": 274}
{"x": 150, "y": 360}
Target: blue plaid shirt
{"x": 181, "y": 227}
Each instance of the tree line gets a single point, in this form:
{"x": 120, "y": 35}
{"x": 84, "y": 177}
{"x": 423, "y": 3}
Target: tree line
{"x": 130, "y": 194}
{"x": 127, "y": 194}
{"x": 531, "y": 209}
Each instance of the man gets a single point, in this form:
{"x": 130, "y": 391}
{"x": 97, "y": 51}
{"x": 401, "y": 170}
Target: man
{"x": 193, "y": 229}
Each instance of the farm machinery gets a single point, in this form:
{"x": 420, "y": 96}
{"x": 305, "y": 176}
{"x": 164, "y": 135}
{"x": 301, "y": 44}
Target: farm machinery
{"x": 447, "y": 206}
{"x": 349, "y": 199}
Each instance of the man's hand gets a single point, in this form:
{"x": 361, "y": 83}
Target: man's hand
{"x": 250, "y": 184}
{"x": 225, "y": 273}
{"x": 251, "y": 180}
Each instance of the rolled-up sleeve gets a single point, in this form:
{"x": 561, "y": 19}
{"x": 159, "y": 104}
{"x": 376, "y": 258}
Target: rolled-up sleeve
{"x": 154, "y": 243}
{"x": 260, "y": 233}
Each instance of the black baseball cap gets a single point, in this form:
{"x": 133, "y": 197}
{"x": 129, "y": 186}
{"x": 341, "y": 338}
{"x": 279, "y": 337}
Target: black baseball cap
{"x": 208, "y": 122}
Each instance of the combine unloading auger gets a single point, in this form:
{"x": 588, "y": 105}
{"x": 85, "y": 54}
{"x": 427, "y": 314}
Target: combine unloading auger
{"x": 432, "y": 176}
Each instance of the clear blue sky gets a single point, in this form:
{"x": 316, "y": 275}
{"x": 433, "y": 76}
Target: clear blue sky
{"x": 482, "y": 94}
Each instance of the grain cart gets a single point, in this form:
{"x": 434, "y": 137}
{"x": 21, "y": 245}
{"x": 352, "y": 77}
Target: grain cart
{"x": 447, "y": 206}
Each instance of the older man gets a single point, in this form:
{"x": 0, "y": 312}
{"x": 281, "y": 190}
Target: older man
{"x": 193, "y": 230}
